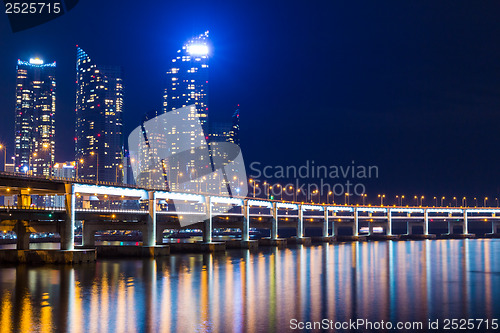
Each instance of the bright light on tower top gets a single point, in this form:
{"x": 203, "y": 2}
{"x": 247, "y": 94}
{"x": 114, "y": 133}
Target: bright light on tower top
{"x": 198, "y": 49}
{"x": 36, "y": 61}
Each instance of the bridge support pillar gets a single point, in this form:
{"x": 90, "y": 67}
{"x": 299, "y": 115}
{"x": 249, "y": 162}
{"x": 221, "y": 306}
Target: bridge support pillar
{"x": 466, "y": 223}
{"x": 207, "y": 225}
{"x": 23, "y": 235}
{"x": 274, "y": 222}
{"x": 388, "y": 231}
{"x": 149, "y": 237}
{"x": 22, "y": 227}
{"x": 88, "y": 236}
{"x": 355, "y": 230}
{"x": 426, "y": 222}
{"x": 325, "y": 223}
{"x": 67, "y": 230}
{"x": 334, "y": 225}
{"x": 245, "y": 229}
{"x": 159, "y": 236}
{"x": 24, "y": 199}
{"x": 300, "y": 223}
{"x": 450, "y": 224}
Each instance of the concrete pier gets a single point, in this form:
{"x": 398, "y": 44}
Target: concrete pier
{"x": 47, "y": 256}
{"x": 242, "y": 244}
{"x": 382, "y": 237}
{"x": 418, "y": 236}
{"x": 491, "y": 235}
{"x": 299, "y": 240}
{"x": 353, "y": 238}
{"x": 279, "y": 242}
{"x": 127, "y": 251}
{"x": 456, "y": 236}
{"x": 197, "y": 247}
{"x": 324, "y": 239}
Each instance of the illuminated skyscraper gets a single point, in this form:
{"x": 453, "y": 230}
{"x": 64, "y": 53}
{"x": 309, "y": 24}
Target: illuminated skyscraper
{"x": 187, "y": 79}
{"x": 35, "y": 112}
{"x": 187, "y": 82}
{"x": 98, "y": 134}
{"x": 174, "y": 149}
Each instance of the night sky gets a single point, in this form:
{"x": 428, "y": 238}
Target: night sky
{"x": 410, "y": 86}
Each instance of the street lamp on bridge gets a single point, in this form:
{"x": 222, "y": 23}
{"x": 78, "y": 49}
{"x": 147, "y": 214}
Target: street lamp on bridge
{"x": 116, "y": 175}
{"x": 2, "y": 147}
{"x": 381, "y": 196}
{"x": 281, "y": 190}
{"x": 319, "y": 197}
{"x": 266, "y": 189}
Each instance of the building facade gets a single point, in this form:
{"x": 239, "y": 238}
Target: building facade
{"x": 99, "y": 128}
{"x": 35, "y": 117}
{"x": 187, "y": 79}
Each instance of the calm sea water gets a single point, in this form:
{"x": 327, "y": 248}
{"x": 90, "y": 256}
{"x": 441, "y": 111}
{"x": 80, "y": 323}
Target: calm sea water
{"x": 243, "y": 291}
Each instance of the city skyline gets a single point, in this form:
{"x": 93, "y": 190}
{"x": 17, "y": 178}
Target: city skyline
{"x": 250, "y": 166}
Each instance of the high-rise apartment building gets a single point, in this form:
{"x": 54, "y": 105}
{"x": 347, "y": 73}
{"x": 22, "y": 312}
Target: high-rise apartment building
{"x": 187, "y": 79}
{"x": 99, "y": 133}
{"x": 35, "y": 117}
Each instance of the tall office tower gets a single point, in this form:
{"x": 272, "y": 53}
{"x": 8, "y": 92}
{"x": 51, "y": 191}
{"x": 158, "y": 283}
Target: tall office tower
{"x": 98, "y": 133}
{"x": 187, "y": 82}
{"x": 35, "y": 112}
{"x": 187, "y": 79}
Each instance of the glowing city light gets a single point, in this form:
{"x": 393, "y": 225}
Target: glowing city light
{"x": 36, "y": 61}
{"x": 198, "y": 49}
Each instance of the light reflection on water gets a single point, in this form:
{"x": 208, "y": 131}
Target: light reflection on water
{"x": 261, "y": 291}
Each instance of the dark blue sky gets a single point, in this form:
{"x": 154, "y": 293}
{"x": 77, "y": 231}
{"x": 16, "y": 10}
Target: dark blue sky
{"x": 410, "y": 86}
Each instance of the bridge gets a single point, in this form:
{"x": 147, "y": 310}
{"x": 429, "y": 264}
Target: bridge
{"x": 152, "y": 215}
